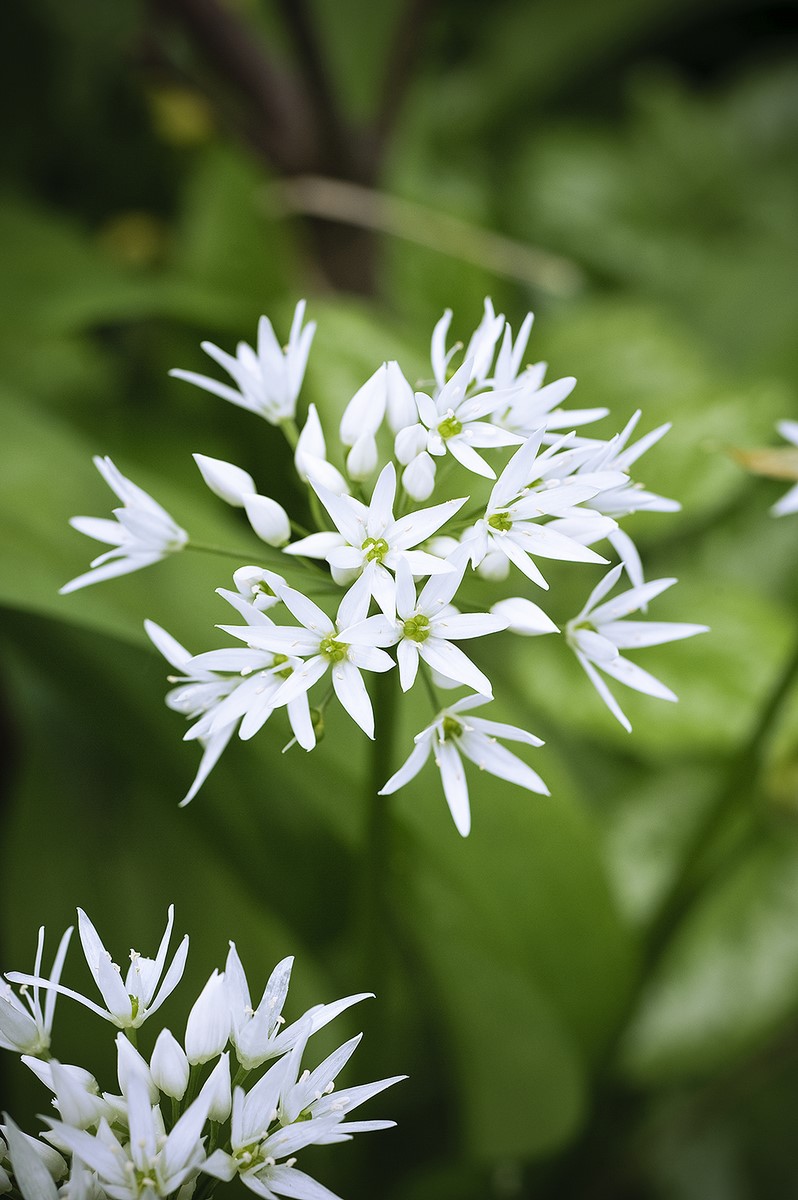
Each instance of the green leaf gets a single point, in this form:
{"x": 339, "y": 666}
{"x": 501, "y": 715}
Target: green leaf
{"x": 730, "y": 976}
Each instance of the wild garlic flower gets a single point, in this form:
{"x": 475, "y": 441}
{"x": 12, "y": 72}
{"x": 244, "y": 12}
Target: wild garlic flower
{"x": 599, "y": 632}
{"x": 156, "y": 1137}
{"x": 268, "y": 381}
{"x": 25, "y": 1026}
{"x": 452, "y": 737}
{"x": 128, "y": 1002}
{"x": 420, "y": 497}
{"x": 143, "y": 532}
{"x": 371, "y": 542}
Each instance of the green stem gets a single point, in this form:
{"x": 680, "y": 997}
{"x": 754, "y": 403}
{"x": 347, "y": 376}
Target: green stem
{"x": 377, "y": 856}
{"x": 435, "y": 700}
{"x": 290, "y": 431}
{"x": 242, "y": 556}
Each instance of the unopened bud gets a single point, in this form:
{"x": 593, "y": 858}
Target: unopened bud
{"x": 269, "y": 519}
{"x": 418, "y": 478}
{"x": 169, "y": 1065}
{"x": 363, "y": 458}
{"x": 228, "y": 482}
{"x": 208, "y": 1025}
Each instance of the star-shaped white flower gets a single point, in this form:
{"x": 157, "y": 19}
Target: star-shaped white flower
{"x": 144, "y": 1162}
{"x": 143, "y": 532}
{"x": 129, "y": 1001}
{"x": 267, "y": 382}
{"x": 372, "y": 542}
{"x": 324, "y": 645}
{"x": 452, "y": 423}
{"x": 520, "y": 497}
{"x": 451, "y": 735}
{"x": 26, "y": 1027}
{"x": 427, "y": 627}
{"x": 599, "y": 632}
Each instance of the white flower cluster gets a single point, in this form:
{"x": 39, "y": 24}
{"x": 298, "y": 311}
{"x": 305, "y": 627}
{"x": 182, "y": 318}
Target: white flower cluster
{"x": 477, "y": 475}
{"x": 182, "y": 1121}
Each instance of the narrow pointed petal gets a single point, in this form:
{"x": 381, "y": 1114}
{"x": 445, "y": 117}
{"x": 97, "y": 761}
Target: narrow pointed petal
{"x": 409, "y": 769}
{"x": 490, "y": 756}
{"x": 351, "y": 691}
{"x": 455, "y": 788}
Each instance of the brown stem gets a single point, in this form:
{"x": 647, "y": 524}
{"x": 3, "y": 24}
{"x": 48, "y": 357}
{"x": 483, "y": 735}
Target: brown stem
{"x": 398, "y": 74}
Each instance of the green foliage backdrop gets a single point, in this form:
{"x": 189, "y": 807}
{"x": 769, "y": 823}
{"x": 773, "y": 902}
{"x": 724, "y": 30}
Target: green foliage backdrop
{"x": 596, "y": 995}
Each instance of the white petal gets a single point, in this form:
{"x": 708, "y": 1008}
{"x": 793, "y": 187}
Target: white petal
{"x": 496, "y": 760}
{"x": 454, "y": 664}
{"x": 635, "y": 677}
{"x": 351, "y": 691}
{"x": 410, "y": 768}
{"x": 366, "y": 409}
{"x": 455, "y": 788}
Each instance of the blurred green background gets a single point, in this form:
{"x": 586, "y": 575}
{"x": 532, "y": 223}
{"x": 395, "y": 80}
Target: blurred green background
{"x": 596, "y": 995}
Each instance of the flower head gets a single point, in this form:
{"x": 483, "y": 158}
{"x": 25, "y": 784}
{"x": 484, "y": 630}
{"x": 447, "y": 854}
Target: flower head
{"x": 143, "y": 532}
{"x": 599, "y": 632}
{"x": 25, "y": 1026}
{"x": 267, "y": 381}
{"x": 452, "y": 735}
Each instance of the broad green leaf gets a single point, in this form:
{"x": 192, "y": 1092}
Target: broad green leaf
{"x": 730, "y": 975}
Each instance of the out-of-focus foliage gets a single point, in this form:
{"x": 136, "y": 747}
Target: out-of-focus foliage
{"x": 599, "y": 986}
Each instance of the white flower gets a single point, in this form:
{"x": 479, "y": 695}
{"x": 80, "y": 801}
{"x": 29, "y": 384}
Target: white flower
{"x": 227, "y": 481}
{"x": 128, "y": 1003}
{"x": 454, "y": 425}
{"x": 143, "y": 532}
{"x": 208, "y": 1025}
{"x": 282, "y": 1114}
{"x": 372, "y": 541}
{"x": 267, "y": 383}
{"x": 323, "y": 644}
{"x": 26, "y": 1027}
{"x": 149, "y": 1162}
{"x": 511, "y": 525}
{"x": 200, "y": 692}
{"x": 479, "y": 352}
{"x": 426, "y": 628}
{"x": 256, "y": 1033}
{"x": 598, "y": 634}
{"x": 35, "y": 1165}
{"x": 75, "y": 1090}
{"x": 789, "y": 501}
{"x": 451, "y": 735}
{"x": 251, "y": 583}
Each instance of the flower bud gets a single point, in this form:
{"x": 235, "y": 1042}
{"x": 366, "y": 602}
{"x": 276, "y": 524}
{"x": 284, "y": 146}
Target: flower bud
{"x": 410, "y": 442}
{"x": 269, "y": 519}
{"x": 208, "y": 1025}
{"x": 169, "y": 1065}
{"x": 344, "y": 576}
{"x": 363, "y": 457}
{"x": 216, "y": 1090}
{"x": 310, "y": 457}
{"x": 77, "y": 1096}
{"x": 523, "y": 617}
{"x": 418, "y": 478}
{"x": 402, "y": 409}
{"x": 228, "y": 482}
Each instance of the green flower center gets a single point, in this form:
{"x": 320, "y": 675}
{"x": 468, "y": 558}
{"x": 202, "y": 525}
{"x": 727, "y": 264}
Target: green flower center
{"x": 450, "y": 427}
{"x": 288, "y": 671}
{"x": 451, "y": 728}
{"x": 334, "y": 651}
{"x": 416, "y": 628}
{"x": 134, "y": 1006}
{"x": 501, "y": 521}
{"x": 376, "y": 549}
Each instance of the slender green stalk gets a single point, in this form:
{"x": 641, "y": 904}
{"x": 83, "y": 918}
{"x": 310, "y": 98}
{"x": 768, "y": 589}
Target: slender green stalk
{"x": 434, "y": 698}
{"x": 241, "y": 556}
{"x": 377, "y": 857}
